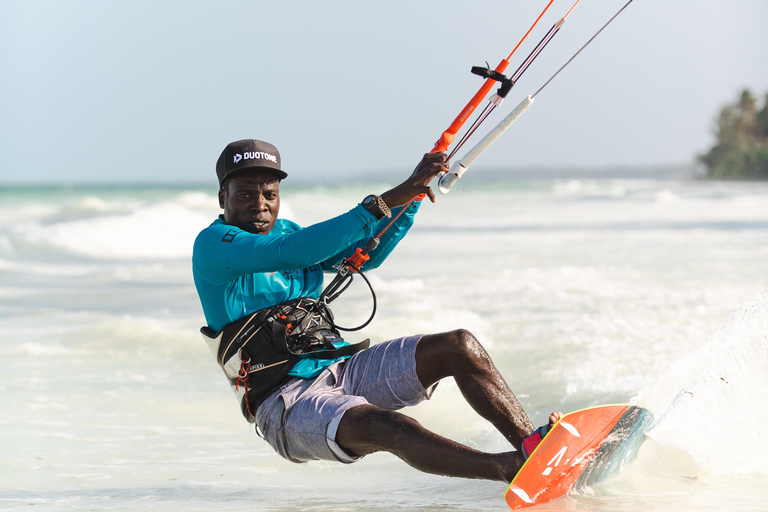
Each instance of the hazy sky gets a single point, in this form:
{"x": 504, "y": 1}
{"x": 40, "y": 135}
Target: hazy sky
{"x": 116, "y": 91}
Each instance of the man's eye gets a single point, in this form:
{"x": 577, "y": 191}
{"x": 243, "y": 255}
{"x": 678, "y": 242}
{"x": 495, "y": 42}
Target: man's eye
{"x": 244, "y": 196}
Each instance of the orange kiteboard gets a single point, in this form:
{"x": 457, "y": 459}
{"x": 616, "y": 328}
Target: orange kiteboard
{"x": 583, "y": 448}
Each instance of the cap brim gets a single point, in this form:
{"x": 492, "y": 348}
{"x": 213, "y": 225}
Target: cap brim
{"x": 280, "y": 174}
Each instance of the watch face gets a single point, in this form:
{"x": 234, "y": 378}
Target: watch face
{"x": 371, "y": 204}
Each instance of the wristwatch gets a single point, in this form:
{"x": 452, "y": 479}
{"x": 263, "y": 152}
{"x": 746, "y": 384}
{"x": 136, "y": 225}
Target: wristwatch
{"x": 376, "y": 206}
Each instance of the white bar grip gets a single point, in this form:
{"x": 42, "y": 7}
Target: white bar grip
{"x": 449, "y": 178}
{"x": 460, "y": 167}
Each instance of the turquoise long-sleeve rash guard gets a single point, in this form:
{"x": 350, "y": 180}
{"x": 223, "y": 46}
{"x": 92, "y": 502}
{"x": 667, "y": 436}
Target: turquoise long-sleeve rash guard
{"x": 237, "y": 272}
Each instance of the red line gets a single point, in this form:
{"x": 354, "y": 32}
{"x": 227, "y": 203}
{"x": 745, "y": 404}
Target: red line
{"x": 446, "y": 139}
{"x": 534, "y": 24}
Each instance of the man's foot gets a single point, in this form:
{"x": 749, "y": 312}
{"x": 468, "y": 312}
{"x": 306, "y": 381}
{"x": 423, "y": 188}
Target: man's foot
{"x": 517, "y": 458}
{"x": 554, "y": 418}
{"x": 532, "y": 441}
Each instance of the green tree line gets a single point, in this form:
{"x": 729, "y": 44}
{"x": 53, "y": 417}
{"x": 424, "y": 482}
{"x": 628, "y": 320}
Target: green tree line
{"x": 741, "y": 150}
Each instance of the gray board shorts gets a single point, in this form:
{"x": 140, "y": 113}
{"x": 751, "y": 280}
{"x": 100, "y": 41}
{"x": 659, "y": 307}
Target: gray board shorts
{"x": 300, "y": 418}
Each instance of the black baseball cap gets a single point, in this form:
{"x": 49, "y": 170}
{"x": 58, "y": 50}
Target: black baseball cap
{"x": 248, "y": 154}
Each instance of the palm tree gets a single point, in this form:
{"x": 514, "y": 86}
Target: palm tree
{"x": 741, "y": 150}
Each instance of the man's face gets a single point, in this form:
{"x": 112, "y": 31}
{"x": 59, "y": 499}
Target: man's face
{"x": 251, "y": 200}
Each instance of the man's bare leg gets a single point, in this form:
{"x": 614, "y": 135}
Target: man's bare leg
{"x": 458, "y": 354}
{"x": 366, "y": 429}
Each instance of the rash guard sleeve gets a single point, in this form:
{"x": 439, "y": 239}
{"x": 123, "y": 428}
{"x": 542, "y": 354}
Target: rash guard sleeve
{"x": 237, "y": 272}
{"x": 387, "y": 242}
{"x": 223, "y": 252}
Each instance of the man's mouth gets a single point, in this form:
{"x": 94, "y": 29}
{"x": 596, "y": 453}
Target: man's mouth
{"x": 260, "y": 224}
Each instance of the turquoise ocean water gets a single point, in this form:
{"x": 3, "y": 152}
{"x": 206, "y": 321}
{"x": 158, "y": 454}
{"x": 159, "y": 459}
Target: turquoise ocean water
{"x": 584, "y": 291}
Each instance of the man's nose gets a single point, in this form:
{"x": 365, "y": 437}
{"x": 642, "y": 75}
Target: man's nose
{"x": 258, "y": 203}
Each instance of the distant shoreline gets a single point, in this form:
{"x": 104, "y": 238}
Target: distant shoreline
{"x": 478, "y": 173}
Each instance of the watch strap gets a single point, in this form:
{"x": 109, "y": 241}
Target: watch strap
{"x": 376, "y": 205}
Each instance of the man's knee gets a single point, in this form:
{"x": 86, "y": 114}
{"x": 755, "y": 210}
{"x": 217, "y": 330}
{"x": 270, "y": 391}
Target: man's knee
{"x": 449, "y": 354}
{"x": 457, "y": 344}
{"x": 463, "y": 344}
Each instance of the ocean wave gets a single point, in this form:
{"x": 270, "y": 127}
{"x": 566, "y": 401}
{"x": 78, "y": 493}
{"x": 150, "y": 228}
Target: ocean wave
{"x": 156, "y": 231}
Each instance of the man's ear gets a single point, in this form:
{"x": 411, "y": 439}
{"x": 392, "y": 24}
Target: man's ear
{"x": 221, "y": 198}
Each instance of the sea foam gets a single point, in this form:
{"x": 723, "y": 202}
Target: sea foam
{"x": 710, "y": 402}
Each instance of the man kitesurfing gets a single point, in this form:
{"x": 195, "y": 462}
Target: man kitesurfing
{"x": 259, "y": 277}
{"x": 312, "y": 394}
